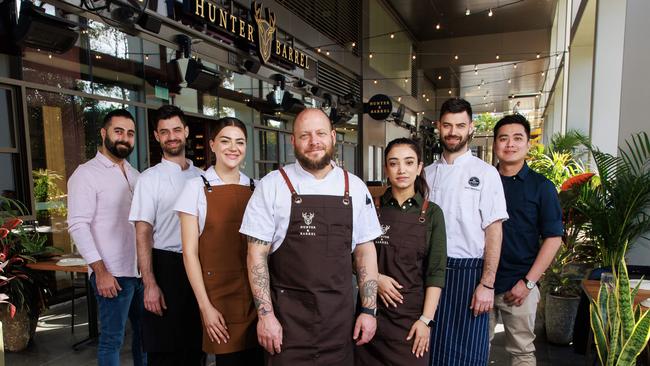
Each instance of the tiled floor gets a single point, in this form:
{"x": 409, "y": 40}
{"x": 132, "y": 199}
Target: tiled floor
{"x": 53, "y": 344}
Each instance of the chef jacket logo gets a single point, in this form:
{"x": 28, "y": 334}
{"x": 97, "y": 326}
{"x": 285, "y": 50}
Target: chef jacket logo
{"x": 383, "y": 239}
{"x": 474, "y": 182}
{"x": 308, "y": 217}
{"x": 265, "y": 31}
{"x": 308, "y": 229}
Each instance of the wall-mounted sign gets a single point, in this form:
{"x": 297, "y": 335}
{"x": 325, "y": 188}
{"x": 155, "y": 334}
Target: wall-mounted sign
{"x": 262, "y": 34}
{"x": 379, "y": 107}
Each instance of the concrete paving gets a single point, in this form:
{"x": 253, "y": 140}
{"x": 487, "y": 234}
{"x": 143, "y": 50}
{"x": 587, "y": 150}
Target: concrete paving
{"x": 52, "y": 345}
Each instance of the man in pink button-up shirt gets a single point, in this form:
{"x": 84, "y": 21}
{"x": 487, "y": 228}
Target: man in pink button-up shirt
{"x": 99, "y": 200}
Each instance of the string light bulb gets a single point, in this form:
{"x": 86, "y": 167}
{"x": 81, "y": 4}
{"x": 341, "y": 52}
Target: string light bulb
{"x": 498, "y": 57}
{"x": 509, "y": 81}
{"x": 375, "y": 82}
{"x": 467, "y": 12}
{"x": 146, "y": 57}
{"x": 490, "y": 13}
{"x": 439, "y": 77}
{"x": 327, "y": 53}
{"x": 455, "y": 57}
{"x": 538, "y": 55}
{"x": 354, "y": 44}
{"x": 399, "y": 99}
{"x": 449, "y": 91}
{"x": 318, "y": 50}
{"x": 424, "y": 95}
{"x": 438, "y": 26}
{"x": 514, "y": 66}
{"x": 427, "y": 99}
{"x": 392, "y": 36}
{"x": 370, "y": 55}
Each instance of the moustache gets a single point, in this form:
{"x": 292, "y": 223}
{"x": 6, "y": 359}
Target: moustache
{"x": 172, "y": 142}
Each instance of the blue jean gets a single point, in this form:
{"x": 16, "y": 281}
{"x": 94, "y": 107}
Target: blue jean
{"x": 113, "y": 313}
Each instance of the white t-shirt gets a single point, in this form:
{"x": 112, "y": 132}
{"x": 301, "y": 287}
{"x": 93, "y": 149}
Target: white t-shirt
{"x": 192, "y": 200}
{"x": 269, "y": 209}
{"x": 470, "y": 194}
{"x": 153, "y": 199}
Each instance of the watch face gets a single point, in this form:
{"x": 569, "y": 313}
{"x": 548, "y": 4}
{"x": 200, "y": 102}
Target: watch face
{"x": 530, "y": 285}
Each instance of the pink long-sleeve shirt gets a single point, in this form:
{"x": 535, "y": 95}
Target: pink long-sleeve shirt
{"x": 99, "y": 200}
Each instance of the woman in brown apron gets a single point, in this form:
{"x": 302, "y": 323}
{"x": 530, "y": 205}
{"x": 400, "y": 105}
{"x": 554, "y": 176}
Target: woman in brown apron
{"x": 412, "y": 257}
{"x": 215, "y": 253}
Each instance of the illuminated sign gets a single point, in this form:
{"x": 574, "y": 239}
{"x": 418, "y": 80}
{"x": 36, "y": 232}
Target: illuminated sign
{"x": 262, "y": 33}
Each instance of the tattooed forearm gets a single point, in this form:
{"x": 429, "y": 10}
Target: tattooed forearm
{"x": 258, "y": 276}
{"x": 256, "y": 241}
{"x": 368, "y": 294}
{"x": 365, "y": 258}
{"x": 261, "y": 288}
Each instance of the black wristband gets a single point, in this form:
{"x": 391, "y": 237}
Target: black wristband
{"x": 486, "y": 286}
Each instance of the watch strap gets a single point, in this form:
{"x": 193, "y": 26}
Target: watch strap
{"x": 369, "y": 311}
{"x": 427, "y": 321}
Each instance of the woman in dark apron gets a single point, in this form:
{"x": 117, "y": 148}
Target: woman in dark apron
{"x": 412, "y": 255}
{"x": 215, "y": 253}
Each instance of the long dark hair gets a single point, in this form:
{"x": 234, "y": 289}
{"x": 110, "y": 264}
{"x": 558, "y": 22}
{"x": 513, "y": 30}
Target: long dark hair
{"x": 421, "y": 186}
{"x": 224, "y": 122}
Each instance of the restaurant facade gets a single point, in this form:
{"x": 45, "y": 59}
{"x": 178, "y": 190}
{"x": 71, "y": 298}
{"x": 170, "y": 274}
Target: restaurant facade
{"x": 70, "y": 62}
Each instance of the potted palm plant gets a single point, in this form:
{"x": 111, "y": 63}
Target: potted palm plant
{"x": 22, "y": 290}
{"x": 616, "y": 206}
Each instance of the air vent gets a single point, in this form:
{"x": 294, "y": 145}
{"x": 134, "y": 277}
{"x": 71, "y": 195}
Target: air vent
{"x": 340, "y": 20}
{"x": 331, "y": 79}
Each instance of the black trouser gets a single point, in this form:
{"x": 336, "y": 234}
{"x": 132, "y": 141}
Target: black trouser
{"x": 174, "y": 338}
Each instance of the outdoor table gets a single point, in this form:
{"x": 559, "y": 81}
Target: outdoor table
{"x": 51, "y": 265}
{"x": 591, "y": 288}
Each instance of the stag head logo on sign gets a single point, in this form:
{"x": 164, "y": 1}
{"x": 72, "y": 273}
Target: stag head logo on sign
{"x": 265, "y": 31}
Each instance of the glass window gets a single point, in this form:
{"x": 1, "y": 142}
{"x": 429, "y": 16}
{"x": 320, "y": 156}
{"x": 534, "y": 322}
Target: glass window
{"x": 349, "y": 157}
{"x": 287, "y": 155}
{"x": 267, "y": 146}
{"x": 7, "y": 137}
{"x": 64, "y": 132}
{"x": 8, "y": 178}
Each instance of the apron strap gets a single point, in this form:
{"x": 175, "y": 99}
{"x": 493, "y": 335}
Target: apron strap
{"x": 252, "y": 185}
{"x": 346, "y": 195}
{"x": 294, "y": 195}
{"x": 206, "y": 183}
{"x": 377, "y": 204}
{"x": 423, "y": 212}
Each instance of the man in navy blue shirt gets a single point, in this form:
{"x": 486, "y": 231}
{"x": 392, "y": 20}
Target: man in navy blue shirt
{"x": 531, "y": 237}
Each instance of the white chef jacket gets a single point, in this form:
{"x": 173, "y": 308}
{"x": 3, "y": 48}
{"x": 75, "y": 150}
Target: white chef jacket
{"x": 470, "y": 193}
{"x": 269, "y": 209}
{"x": 153, "y": 200}
{"x": 192, "y": 200}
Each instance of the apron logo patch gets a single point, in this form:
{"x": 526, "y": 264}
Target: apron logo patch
{"x": 308, "y": 229}
{"x": 308, "y": 217}
{"x": 474, "y": 182}
{"x": 383, "y": 239}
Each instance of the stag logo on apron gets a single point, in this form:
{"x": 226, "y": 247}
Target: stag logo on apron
{"x": 308, "y": 229}
{"x": 383, "y": 239}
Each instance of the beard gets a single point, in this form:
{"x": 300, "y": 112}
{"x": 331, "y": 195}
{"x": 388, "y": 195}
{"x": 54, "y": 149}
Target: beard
{"x": 310, "y": 164}
{"x": 119, "y": 149}
{"x": 455, "y": 148}
{"x": 173, "y": 151}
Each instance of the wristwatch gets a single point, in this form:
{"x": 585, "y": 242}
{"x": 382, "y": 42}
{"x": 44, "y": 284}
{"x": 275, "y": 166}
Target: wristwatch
{"x": 529, "y": 284}
{"x": 427, "y": 321}
{"x": 369, "y": 311}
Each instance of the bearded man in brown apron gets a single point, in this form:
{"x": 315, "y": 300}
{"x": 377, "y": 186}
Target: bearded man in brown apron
{"x": 303, "y": 222}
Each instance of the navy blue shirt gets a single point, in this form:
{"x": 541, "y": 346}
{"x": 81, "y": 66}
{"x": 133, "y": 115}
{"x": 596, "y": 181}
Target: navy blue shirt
{"x": 535, "y": 214}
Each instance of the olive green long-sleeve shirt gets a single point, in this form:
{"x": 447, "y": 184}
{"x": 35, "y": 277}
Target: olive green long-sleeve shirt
{"x": 437, "y": 258}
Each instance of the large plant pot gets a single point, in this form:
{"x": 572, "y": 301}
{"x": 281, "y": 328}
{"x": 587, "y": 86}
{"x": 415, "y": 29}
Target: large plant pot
{"x": 16, "y": 331}
{"x": 560, "y": 315}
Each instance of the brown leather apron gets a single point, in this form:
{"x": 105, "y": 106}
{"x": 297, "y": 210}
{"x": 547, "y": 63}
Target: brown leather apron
{"x": 311, "y": 281}
{"x": 402, "y": 255}
{"x": 222, "y": 252}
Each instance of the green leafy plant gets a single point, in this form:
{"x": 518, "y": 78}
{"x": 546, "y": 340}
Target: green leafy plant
{"x": 21, "y": 287}
{"x": 46, "y": 190}
{"x": 621, "y": 329}
{"x": 485, "y": 122}
{"x": 616, "y": 206}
